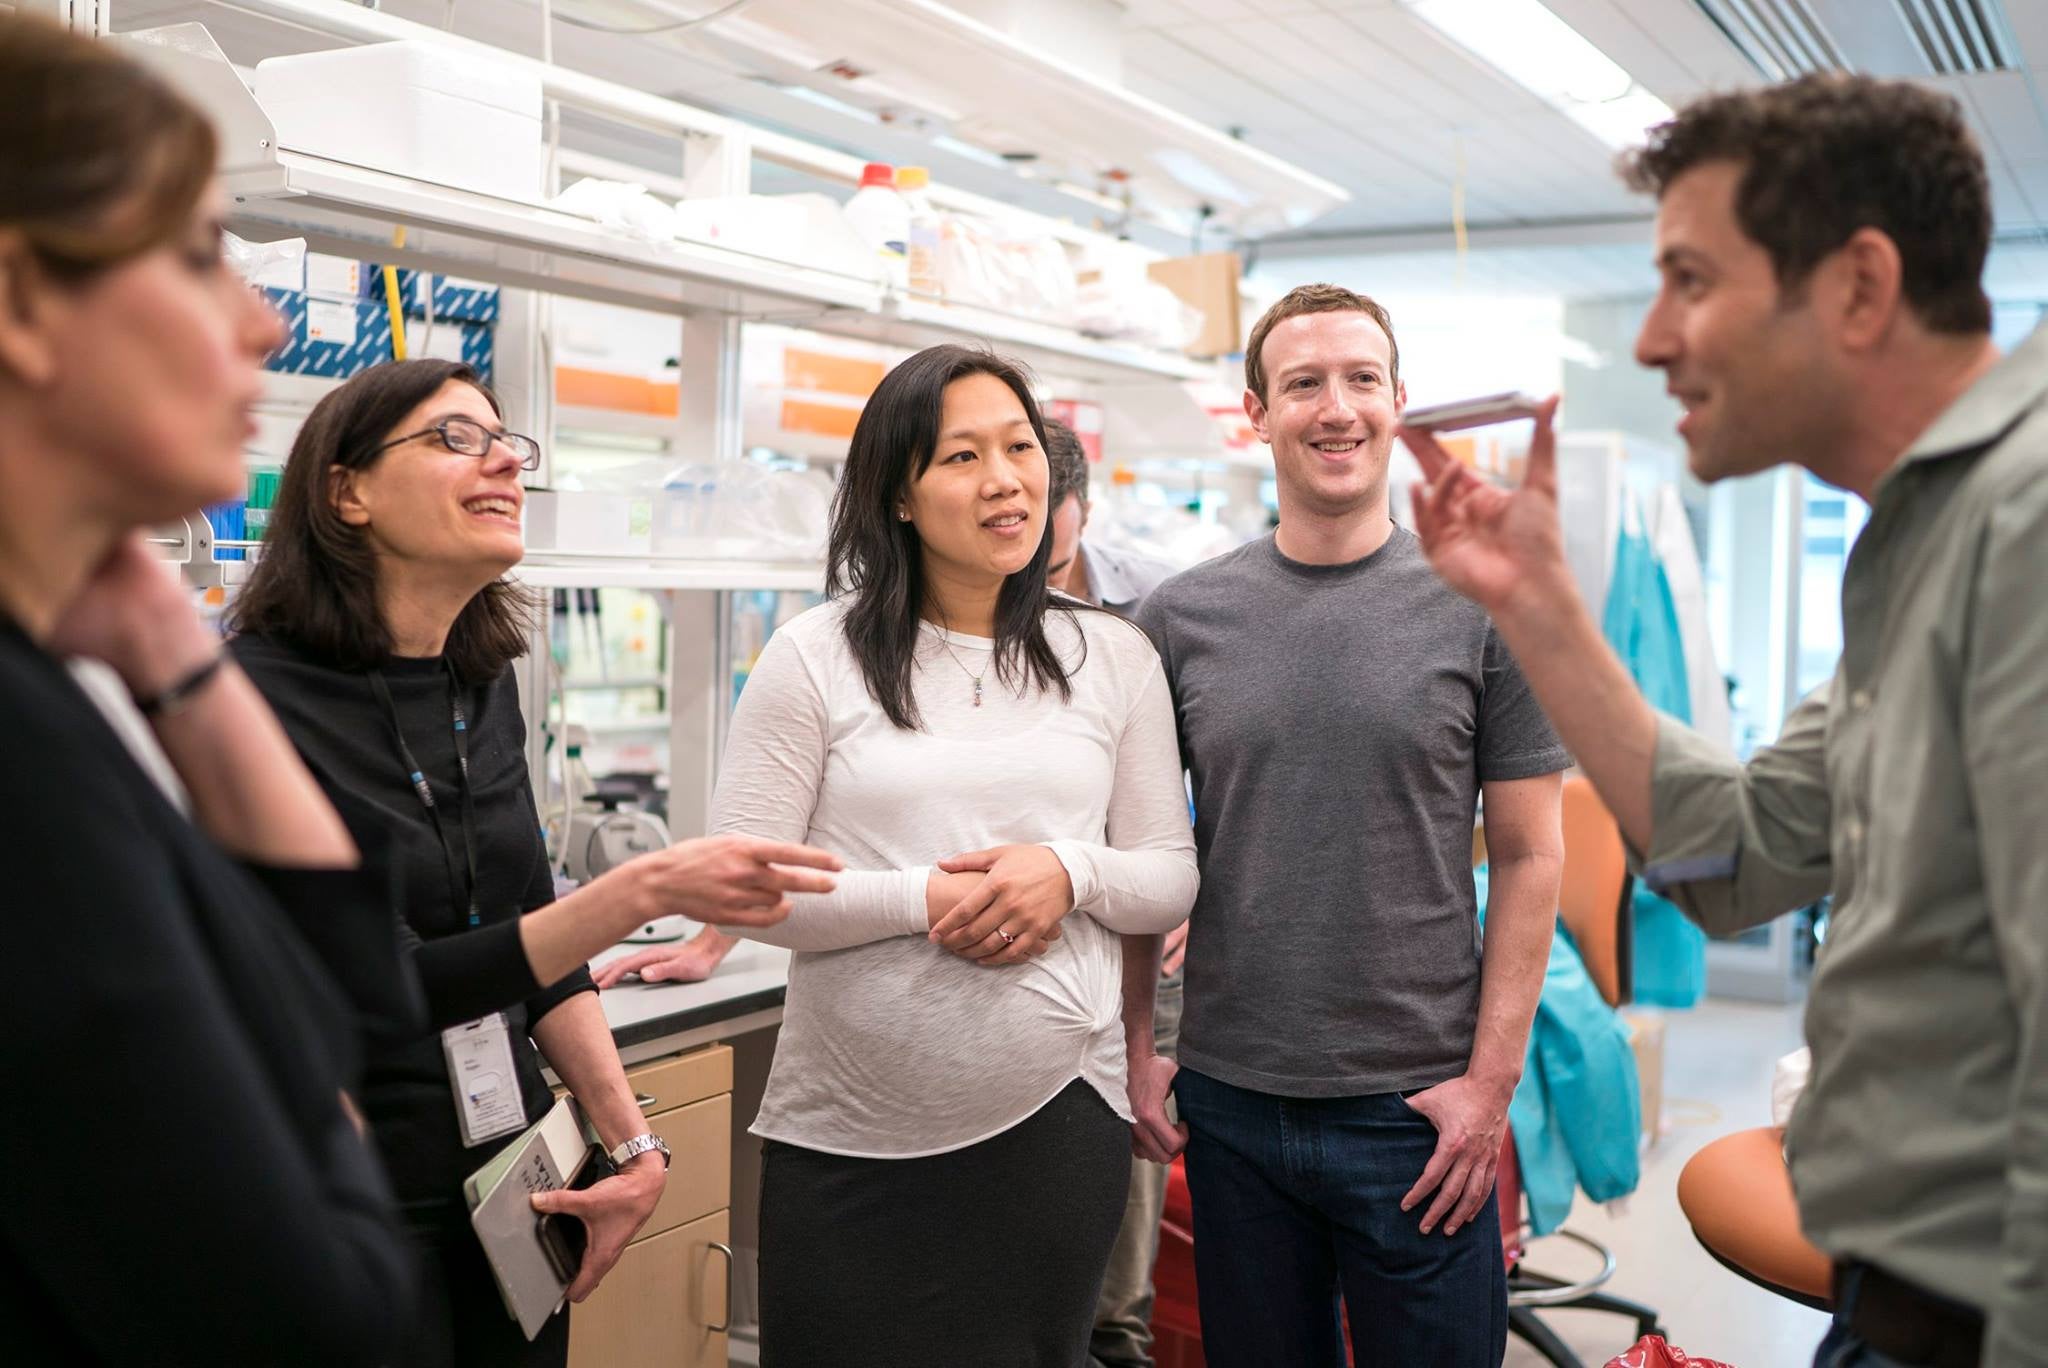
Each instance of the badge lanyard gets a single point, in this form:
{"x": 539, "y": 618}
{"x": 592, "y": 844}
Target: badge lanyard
{"x": 417, "y": 777}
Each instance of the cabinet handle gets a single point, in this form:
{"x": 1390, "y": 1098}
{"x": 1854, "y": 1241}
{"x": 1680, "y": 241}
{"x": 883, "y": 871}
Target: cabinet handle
{"x": 730, "y": 1265}
{"x": 644, "y": 1100}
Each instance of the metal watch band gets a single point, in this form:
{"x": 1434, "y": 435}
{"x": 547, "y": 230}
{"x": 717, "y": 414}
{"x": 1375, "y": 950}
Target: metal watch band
{"x": 639, "y": 1145}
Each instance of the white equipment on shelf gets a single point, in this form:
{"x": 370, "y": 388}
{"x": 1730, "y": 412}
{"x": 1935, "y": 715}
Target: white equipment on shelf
{"x": 413, "y": 109}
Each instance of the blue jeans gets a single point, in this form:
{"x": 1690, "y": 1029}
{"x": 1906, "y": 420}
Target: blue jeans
{"x": 1297, "y": 1200}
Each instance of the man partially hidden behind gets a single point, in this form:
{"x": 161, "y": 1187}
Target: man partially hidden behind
{"x": 1822, "y": 245}
{"x": 1350, "y": 1044}
{"x": 1109, "y": 577}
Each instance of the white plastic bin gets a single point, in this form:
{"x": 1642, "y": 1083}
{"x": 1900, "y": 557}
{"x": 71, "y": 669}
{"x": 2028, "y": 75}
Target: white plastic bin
{"x": 414, "y": 109}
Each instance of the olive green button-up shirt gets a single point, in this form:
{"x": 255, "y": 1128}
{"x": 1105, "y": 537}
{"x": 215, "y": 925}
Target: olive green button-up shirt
{"x": 1912, "y": 786}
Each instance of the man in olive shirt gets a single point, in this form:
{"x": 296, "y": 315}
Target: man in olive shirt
{"x": 1821, "y": 245}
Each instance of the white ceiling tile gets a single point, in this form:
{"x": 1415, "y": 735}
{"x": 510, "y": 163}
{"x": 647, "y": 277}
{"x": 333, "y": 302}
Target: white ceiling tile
{"x": 2029, "y": 20}
{"x": 1144, "y": 14}
{"x": 2031, "y": 178}
{"x": 2008, "y": 112}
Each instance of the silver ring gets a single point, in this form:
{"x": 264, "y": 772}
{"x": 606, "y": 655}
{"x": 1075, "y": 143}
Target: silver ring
{"x": 1008, "y": 939}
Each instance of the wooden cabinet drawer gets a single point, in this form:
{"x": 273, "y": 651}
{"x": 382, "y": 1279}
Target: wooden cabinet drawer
{"x": 659, "y": 1304}
{"x": 676, "y": 1082}
{"x": 699, "y": 1139}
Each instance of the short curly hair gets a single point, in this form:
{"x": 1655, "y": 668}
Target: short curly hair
{"x": 1827, "y": 155}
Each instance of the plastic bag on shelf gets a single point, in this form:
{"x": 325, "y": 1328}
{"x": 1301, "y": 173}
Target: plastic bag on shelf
{"x": 741, "y": 510}
{"x": 281, "y": 263}
{"x": 620, "y": 206}
{"x": 991, "y": 265}
{"x": 807, "y": 228}
{"x": 1143, "y": 311}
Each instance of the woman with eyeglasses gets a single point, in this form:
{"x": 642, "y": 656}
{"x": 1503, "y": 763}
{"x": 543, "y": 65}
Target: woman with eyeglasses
{"x": 381, "y": 628}
{"x": 183, "y": 1180}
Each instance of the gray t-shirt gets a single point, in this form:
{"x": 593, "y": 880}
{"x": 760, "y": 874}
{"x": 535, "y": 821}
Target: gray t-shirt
{"x": 1337, "y": 722}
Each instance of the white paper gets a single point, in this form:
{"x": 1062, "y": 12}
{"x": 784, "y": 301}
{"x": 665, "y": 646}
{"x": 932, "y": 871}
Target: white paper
{"x": 327, "y": 321}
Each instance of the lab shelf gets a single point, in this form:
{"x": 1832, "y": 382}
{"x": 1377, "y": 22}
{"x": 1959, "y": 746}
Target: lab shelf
{"x": 356, "y": 211}
{"x": 559, "y": 571}
{"x": 915, "y": 321}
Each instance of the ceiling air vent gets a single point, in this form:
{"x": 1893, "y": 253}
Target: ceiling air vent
{"x": 1782, "y": 38}
{"x": 1959, "y": 37}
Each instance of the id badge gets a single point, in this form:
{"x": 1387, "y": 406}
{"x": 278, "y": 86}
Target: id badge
{"x": 487, "y": 1097}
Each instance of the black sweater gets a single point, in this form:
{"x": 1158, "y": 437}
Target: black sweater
{"x": 340, "y": 727}
{"x": 178, "y": 1183}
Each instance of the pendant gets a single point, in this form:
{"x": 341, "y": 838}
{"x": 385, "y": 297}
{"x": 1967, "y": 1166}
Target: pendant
{"x": 977, "y": 693}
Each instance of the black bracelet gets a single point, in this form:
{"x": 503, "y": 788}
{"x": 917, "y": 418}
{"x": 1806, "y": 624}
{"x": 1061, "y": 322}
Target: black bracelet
{"x": 173, "y": 700}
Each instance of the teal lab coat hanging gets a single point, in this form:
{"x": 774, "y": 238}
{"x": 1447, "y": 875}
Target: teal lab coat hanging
{"x": 1641, "y": 624}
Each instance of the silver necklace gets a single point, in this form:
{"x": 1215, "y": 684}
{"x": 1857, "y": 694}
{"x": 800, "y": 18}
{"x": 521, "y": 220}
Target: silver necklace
{"x": 947, "y": 647}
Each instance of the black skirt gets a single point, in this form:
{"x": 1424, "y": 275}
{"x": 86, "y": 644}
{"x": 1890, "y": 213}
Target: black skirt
{"x": 989, "y": 1256}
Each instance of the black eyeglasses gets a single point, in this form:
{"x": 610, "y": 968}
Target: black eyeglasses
{"x": 467, "y": 437}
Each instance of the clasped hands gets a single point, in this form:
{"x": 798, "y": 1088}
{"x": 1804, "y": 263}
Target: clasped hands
{"x": 999, "y": 906}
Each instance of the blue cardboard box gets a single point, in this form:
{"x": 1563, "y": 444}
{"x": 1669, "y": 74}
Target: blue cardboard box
{"x": 326, "y": 337}
{"x": 334, "y": 339}
{"x": 457, "y": 300}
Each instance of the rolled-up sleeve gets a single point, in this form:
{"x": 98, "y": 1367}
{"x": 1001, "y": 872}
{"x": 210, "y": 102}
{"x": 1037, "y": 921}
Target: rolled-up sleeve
{"x": 1736, "y": 845}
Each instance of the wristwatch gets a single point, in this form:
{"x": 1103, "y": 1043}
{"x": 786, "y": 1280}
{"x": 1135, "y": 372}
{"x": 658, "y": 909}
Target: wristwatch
{"x": 632, "y": 1149}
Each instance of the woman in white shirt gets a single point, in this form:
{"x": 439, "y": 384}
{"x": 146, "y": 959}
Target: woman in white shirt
{"x": 948, "y": 1133}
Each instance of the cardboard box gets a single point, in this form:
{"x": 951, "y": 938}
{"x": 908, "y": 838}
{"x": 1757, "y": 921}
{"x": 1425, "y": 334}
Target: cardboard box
{"x": 455, "y": 299}
{"x": 1209, "y": 283}
{"x": 1646, "y": 1038}
{"x": 337, "y": 339}
{"x": 326, "y": 337}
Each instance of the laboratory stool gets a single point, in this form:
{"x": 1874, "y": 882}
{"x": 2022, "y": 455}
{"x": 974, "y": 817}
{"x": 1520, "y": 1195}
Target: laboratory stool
{"x": 1737, "y": 1193}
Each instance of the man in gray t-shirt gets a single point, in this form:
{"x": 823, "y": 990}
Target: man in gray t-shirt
{"x": 1349, "y": 1044}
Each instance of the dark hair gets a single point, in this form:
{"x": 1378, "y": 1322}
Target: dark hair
{"x": 1309, "y": 299}
{"x": 1069, "y": 462}
{"x": 316, "y": 584}
{"x": 877, "y": 557}
{"x": 100, "y": 160}
{"x": 1826, "y": 155}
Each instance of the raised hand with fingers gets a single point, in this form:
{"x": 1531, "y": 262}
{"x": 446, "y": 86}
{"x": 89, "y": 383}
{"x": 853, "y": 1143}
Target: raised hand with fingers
{"x": 1487, "y": 542}
{"x": 1015, "y": 911}
{"x": 727, "y": 880}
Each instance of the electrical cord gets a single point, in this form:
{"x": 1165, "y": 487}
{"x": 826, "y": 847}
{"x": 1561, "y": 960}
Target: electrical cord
{"x": 731, "y": 7}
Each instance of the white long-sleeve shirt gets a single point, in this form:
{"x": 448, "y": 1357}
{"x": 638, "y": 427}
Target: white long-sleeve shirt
{"x": 893, "y": 1047}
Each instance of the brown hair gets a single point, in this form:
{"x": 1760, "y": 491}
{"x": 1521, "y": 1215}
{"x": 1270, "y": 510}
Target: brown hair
{"x": 1310, "y": 299}
{"x": 1067, "y": 461}
{"x": 101, "y": 161}
{"x": 1826, "y": 155}
{"x": 316, "y": 584}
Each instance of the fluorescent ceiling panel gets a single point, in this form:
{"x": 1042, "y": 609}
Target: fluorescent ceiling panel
{"x": 1549, "y": 58}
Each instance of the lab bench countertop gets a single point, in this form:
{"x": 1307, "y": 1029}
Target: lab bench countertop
{"x": 748, "y": 983}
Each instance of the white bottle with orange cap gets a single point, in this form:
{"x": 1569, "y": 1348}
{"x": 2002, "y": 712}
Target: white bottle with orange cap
{"x": 881, "y": 216}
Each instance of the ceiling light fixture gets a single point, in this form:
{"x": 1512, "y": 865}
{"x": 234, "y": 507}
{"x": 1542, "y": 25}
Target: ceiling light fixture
{"x": 1540, "y": 52}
